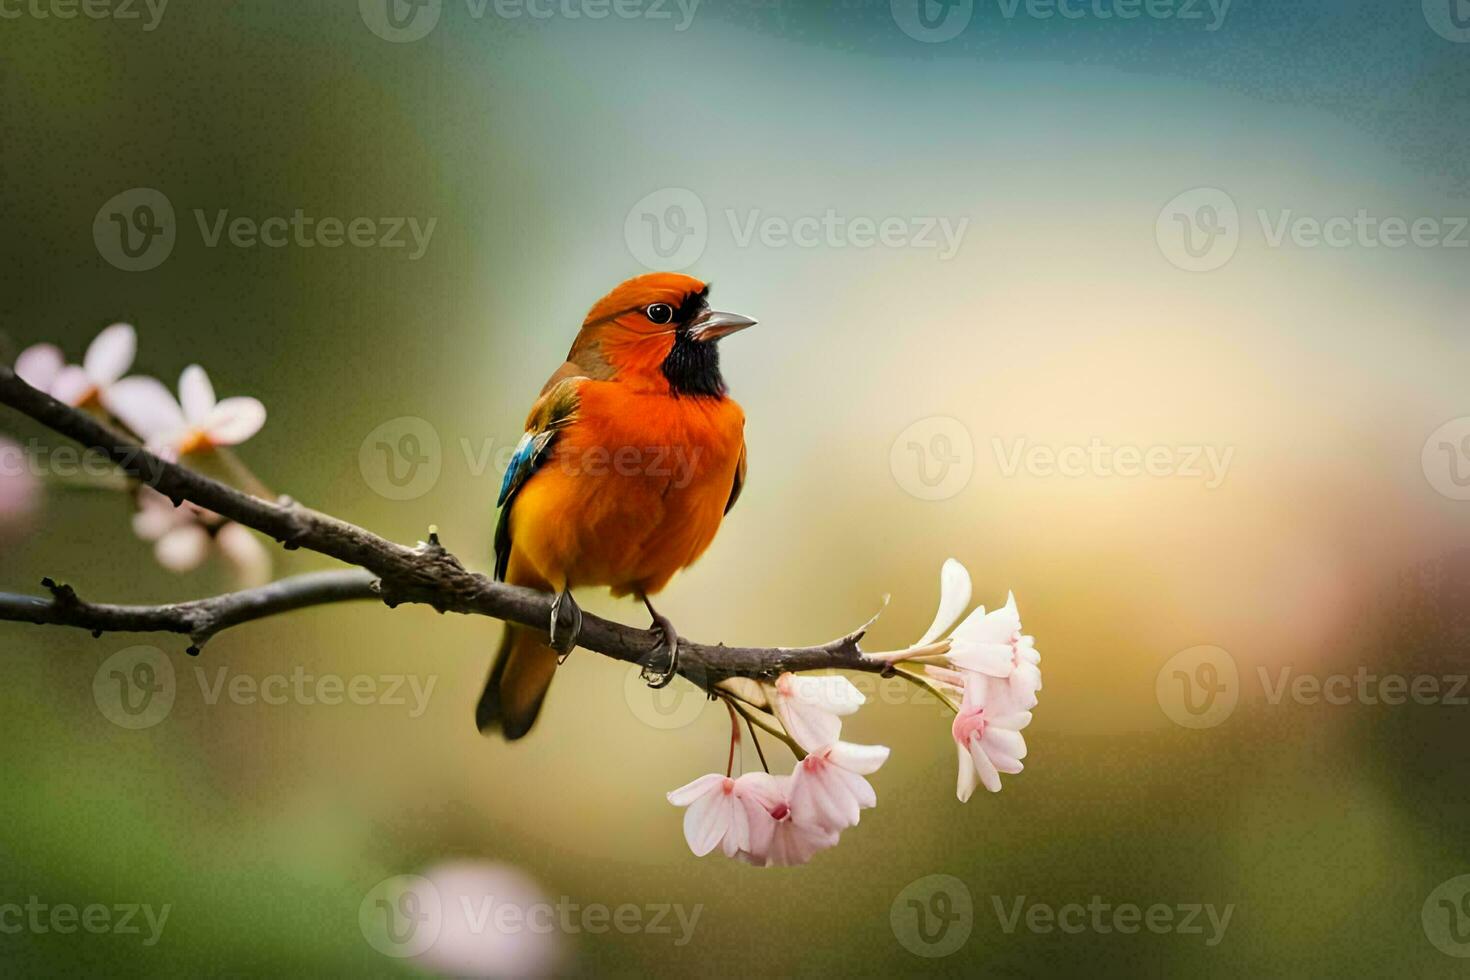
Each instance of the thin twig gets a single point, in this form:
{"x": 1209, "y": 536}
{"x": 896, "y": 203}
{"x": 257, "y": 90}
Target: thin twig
{"x": 199, "y": 619}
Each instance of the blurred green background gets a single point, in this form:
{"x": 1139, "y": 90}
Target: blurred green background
{"x": 537, "y": 145}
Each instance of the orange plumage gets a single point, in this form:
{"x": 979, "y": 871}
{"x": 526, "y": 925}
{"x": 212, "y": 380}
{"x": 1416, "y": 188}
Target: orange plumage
{"x": 631, "y": 458}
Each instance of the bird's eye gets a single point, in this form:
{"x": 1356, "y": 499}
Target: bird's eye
{"x": 660, "y": 312}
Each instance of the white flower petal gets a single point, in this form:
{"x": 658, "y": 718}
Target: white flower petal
{"x": 737, "y": 838}
{"x": 234, "y": 420}
{"x": 862, "y": 759}
{"x": 793, "y": 843}
{"x": 996, "y": 626}
{"x": 1024, "y": 683}
{"x": 146, "y": 407}
{"x": 769, "y": 790}
{"x": 1014, "y": 720}
{"x": 991, "y": 659}
{"x": 706, "y": 821}
{"x": 111, "y": 354}
{"x": 984, "y": 768}
{"x": 821, "y": 797}
{"x": 38, "y": 365}
{"x": 689, "y": 792}
{"x": 196, "y": 395}
{"x": 760, "y": 795}
{"x": 954, "y": 596}
{"x": 1003, "y": 741}
{"x": 183, "y": 548}
{"x": 155, "y": 516}
{"x": 812, "y": 728}
{"x": 246, "y": 552}
{"x": 967, "y": 779}
{"x": 859, "y": 788}
{"x": 71, "y": 385}
{"x": 830, "y": 692}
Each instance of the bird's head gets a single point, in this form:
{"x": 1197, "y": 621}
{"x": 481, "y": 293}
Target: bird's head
{"x": 657, "y": 331}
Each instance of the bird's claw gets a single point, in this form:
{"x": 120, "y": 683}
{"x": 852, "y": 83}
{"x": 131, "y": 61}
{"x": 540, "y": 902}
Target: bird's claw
{"x": 657, "y": 680}
{"x": 564, "y": 641}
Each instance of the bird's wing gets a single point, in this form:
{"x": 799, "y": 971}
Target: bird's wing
{"x": 739, "y": 482}
{"x": 553, "y": 411}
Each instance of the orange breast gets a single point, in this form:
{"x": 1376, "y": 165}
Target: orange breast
{"x": 633, "y": 491}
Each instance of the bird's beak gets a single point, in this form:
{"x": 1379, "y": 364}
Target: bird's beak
{"x": 712, "y": 325}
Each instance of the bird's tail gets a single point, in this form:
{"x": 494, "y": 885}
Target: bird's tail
{"x": 517, "y": 684}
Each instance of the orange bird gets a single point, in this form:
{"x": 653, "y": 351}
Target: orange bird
{"x": 632, "y": 456}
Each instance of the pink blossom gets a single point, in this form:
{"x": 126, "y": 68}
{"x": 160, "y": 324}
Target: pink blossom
{"x": 993, "y": 644}
{"x": 20, "y": 491}
{"x": 783, "y": 841}
{"x": 108, "y": 358}
{"x": 828, "y": 790}
{"x": 493, "y": 921}
{"x": 721, "y": 812}
{"x": 195, "y": 422}
{"x": 987, "y": 734}
{"x": 809, "y": 707}
{"x": 183, "y": 536}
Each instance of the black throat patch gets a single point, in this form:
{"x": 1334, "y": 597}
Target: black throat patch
{"x": 693, "y": 366}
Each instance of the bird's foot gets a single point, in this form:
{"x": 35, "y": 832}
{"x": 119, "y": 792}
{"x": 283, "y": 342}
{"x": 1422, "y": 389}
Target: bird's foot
{"x": 564, "y": 641}
{"x": 670, "y": 643}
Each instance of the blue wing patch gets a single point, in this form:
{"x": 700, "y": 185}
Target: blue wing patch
{"x": 555, "y": 411}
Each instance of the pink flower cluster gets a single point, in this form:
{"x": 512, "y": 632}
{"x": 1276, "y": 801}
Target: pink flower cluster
{"x": 986, "y": 669}
{"x": 195, "y": 422}
{"x": 994, "y": 671}
{"x": 771, "y": 820}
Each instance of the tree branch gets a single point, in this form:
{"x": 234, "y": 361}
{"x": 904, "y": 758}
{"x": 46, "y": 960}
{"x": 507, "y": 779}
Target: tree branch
{"x": 428, "y": 574}
{"x": 199, "y": 619}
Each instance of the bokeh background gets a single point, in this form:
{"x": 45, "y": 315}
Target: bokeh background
{"x": 547, "y": 151}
